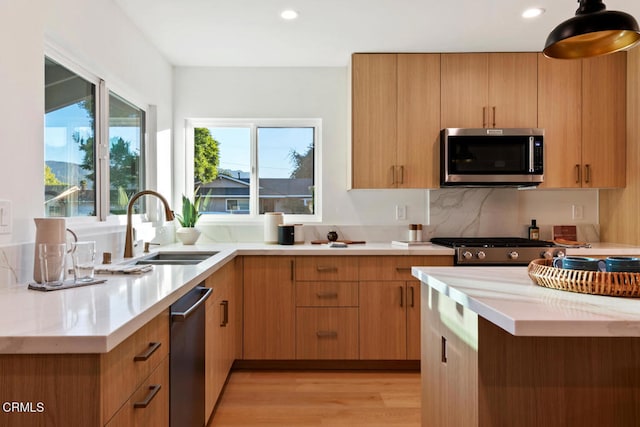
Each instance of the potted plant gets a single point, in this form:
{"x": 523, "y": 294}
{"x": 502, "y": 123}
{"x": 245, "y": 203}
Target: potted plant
{"x": 187, "y": 233}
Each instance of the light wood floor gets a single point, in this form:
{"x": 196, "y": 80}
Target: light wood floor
{"x": 323, "y": 398}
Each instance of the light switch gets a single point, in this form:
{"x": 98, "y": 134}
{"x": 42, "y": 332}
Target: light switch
{"x": 6, "y": 219}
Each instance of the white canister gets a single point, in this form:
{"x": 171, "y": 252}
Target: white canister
{"x": 298, "y": 233}
{"x": 271, "y": 222}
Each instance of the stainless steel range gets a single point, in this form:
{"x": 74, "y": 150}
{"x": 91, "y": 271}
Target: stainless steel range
{"x": 480, "y": 251}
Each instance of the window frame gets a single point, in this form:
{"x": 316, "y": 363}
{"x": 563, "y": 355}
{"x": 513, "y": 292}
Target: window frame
{"x": 101, "y": 133}
{"x": 253, "y": 124}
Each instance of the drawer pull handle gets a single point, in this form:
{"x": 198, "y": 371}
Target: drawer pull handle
{"x": 153, "y": 346}
{"x": 401, "y": 296}
{"x": 412, "y": 304}
{"x": 578, "y": 177}
{"x": 327, "y": 269}
{"x": 153, "y": 390}
{"x": 225, "y": 313}
{"x": 443, "y": 350}
{"x": 402, "y": 269}
{"x": 327, "y": 334}
{"x": 327, "y": 295}
{"x": 587, "y": 173}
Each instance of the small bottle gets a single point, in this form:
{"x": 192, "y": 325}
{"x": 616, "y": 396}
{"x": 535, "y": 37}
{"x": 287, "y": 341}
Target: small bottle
{"x": 419, "y": 233}
{"x": 534, "y": 231}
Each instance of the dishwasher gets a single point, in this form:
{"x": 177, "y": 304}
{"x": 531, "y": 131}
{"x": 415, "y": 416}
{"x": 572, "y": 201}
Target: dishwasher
{"x": 186, "y": 360}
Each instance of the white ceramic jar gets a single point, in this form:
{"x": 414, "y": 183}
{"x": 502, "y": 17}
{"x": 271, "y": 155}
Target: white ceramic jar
{"x": 271, "y": 222}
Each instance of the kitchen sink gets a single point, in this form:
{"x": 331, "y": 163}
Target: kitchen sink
{"x": 175, "y": 258}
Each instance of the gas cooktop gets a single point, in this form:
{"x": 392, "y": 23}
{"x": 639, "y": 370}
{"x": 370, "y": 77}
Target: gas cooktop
{"x": 497, "y": 250}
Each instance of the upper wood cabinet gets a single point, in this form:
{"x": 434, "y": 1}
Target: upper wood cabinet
{"x": 395, "y": 120}
{"x": 581, "y": 106}
{"x": 489, "y": 90}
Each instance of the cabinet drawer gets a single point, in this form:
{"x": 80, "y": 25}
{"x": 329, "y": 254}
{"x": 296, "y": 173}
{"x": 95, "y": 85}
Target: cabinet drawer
{"x": 327, "y": 268}
{"x": 327, "y": 294}
{"x": 397, "y": 267}
{"x": 326, "y": 333}
{"x": 149, "y": 404}
{"x": 125, "y": 367}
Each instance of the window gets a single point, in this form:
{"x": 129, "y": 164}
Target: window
{"x": 69, "y": 170}
{"x": 74, "y": 183}
{"x": 248, "y": 168}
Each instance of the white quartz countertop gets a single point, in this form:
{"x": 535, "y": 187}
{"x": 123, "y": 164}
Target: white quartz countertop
{"x": 507, "y": 297}
{"x": 96, "y": 318}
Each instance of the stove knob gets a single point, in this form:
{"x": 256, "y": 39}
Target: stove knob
{"x": 467, "y": 255}
{"x": 513, "y": 255}
{"x": 481, "y": 255}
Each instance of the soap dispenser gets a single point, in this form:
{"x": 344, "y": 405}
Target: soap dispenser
{"x": 534, "y": 231}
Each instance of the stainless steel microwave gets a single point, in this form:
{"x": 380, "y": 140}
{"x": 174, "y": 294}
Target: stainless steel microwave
{"x": 491, "y": 157}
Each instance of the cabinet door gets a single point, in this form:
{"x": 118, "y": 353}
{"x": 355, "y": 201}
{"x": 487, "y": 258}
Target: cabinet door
{"x": 604, "y": 121}
{"x": 413, "y": 320}
{"x": 269, "y": 308}
{"x": 418, "y": 147}
{"x": 374, "y": 120}
{"x": 149, "y": 404}
{"x": 513, "y": 90}
{"x": 464, "y": 90}
{"x": 383, "y": 320}
{"x": 560, "y": 115}
{"x": 449, "y": 362}
{"x": 327, "y": 333}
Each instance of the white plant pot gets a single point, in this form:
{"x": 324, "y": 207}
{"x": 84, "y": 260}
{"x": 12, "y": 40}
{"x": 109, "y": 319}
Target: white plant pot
{"x": 187, "y": 235}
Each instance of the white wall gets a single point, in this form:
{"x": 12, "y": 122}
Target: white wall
{"x": 98, "y": 36}
{"x": 323, "y": 93}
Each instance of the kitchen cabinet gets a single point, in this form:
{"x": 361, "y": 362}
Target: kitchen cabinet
{"x": 488, "y": 90}
{"x": 222, "y": 323}
{"x": 582, "y": 106}
{"x": 475, "y": 373}
{"x": 128, "y": 386}
{"x": 269, "y": 308}
{"x": 449, "y": 362}
{"x": 395, "y": 120}
{"x": 326, "y": 307}
{"x": 390, "y": 306}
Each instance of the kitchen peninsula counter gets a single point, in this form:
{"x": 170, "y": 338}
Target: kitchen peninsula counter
{"x": 96, "y": 318}
{"x": 504, "y": 351}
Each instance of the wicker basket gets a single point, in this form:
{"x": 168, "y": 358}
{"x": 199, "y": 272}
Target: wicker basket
{"x": 586, "y": 282}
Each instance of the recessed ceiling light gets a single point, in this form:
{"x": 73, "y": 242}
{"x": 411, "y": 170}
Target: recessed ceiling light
{"x": 532, "y": 12}
{"x": 289, "y": 14}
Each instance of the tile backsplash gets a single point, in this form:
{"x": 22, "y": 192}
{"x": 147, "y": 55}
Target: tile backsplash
{"x": 470, "y": 212}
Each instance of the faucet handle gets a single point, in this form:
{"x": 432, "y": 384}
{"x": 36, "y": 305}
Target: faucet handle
{"x": 146, "y": 246}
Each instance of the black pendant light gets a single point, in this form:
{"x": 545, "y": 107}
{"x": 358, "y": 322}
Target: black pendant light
{"x": 593, "y": 31}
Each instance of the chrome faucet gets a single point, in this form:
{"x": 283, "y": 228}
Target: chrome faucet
{"x": 128, "y": 239}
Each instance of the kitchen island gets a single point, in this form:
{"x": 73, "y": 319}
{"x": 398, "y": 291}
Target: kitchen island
{"x": 498, "y": 350}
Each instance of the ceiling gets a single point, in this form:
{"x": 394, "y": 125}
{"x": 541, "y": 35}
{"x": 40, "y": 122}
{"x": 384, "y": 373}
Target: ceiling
{"x": 251, "y": 33}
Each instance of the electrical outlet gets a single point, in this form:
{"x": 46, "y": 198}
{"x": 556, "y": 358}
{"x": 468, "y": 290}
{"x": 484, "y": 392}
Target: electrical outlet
{"x": 5, "y": 217}
{"x": 577, "y": 212}
{"x": 401, "y": 212}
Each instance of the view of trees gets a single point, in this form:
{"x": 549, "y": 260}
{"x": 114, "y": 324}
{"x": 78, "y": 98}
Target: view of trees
{"x": 206, "y": 156}
{"x": 50, "y": 178}
{"x": 302, "y": 163}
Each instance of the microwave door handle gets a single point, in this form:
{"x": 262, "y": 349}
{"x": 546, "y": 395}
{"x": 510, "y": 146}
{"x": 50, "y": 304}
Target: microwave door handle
{"x": 531, "y": 155}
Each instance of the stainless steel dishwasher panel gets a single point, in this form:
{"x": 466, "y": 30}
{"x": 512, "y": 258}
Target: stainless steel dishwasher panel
{"x": 187, "y": 358}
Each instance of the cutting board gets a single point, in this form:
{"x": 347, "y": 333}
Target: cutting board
{"x": 348, "y": 242}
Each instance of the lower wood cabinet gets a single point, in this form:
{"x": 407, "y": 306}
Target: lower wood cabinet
{"x": 222, "y": 323}
{"x": 269, "y": 308}
{"x": 327, "y": 333}
{"x": 390, "y": 306}
{"x": 333, "y": 308}
{"x": 148, "y": 405}
{"x": 129, "y": 386}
